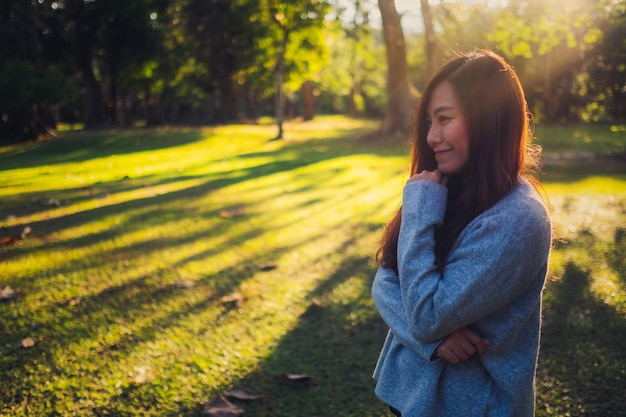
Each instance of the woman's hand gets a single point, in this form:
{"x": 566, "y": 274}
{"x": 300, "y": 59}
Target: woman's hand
{"x": 460, "y": 345}
{"x": 432, "y": 176}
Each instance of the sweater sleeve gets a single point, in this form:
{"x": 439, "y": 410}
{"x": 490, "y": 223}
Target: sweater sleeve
{"x": 491, "y": 264}
{"x": 388, "y": 299}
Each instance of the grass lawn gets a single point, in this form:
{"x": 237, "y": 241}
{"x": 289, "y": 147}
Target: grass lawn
{"x": 157, "y": 268}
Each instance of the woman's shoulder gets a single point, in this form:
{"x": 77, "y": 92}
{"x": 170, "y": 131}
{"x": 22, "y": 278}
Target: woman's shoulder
{"x": 521, "y": 209}
{"x": 524, "y": 199}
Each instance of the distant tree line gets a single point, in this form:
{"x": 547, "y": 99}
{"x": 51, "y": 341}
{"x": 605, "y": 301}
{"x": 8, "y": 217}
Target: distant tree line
{"x": 105, "y": 63}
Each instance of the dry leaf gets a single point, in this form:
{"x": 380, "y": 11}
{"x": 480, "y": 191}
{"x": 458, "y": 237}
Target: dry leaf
{"x": 8, "y": 240}
{"x": 28, "y": 342}
{"x": 314, "y": 308}
{"x": 229, "y": 214}
{"x": 242, "y": 393}
{"x": 268, "y": 266}
{"x": 235, "y": 298}
{"x": 141, "y": 375}
{"x": 185, "y": 284}
{"x": 317, "y": 302}
{"x": 220, "y": 407}
{"x": 8, "y": 293}
{"x": 71, "y": 301}
{"x": 297, "y": 379}
{"x": 25, "y": 232}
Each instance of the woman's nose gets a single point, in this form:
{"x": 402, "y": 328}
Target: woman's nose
{"x": 434, "y": 136}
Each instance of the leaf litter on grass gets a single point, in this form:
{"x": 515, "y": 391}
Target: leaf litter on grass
{"x": 8, "y": 293}
{"x": 221, "y": 407}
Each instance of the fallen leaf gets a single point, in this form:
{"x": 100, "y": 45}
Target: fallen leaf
{"x": 8, "y": 293}
{"x": 229, "y": 214}
{"x": 235, "y": 298}
{"x": 71, "y": 301}
{"x": 317, "y": 302}
{"x": 185, "y": 284}
{"x": 220, "y": 407}
{"x": 314, "y": 308}
{"x": 297, "y": 379}
{"x": 28, "y": 342}
{"x": 141, "y": 375}
{"x": 8, "y": 240}
{"x": 25, "y": 232}
{"x": 242, "y": 393}
{"x": 268, "y": 266}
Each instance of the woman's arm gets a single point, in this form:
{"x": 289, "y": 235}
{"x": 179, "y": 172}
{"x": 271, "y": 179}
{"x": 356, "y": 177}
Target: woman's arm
{"x": 457, "y": 347}
{"x": 388, "y": 300}
{"x": 496, "y": 256}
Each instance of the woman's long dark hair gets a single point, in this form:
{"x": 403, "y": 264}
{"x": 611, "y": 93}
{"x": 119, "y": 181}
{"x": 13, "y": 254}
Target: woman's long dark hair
{"x": 498, "y": 123}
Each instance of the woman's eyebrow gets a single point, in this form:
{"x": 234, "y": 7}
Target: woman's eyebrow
{"x": 441, "y": 108}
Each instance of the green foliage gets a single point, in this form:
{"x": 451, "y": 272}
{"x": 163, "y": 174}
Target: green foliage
{"x": 25, "y": 90}
{"x": 180, "y": 61}
{"x": 22, "y": 86}
{"x": 354, "y": 80}
{"x": 18, "y": 84}
{"x": 567, "y": 53}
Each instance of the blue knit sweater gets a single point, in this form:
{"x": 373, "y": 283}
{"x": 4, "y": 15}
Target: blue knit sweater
{"x": 491, "y": 282}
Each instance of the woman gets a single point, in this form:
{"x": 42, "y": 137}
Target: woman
{"x": 463, "y": 263}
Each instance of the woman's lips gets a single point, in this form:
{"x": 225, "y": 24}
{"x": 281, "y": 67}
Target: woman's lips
{"x": 441, "y": 152}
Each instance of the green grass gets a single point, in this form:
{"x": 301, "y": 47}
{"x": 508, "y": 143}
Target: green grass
{"x": 583, "y": 137}
{"x": 122, "y": 221}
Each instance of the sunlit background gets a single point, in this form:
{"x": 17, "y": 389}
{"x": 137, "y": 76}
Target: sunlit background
{"x": 162, "y": 245}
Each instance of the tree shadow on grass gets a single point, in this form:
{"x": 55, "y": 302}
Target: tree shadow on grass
{"x": 582, "y": 362}
{"x": 345, "y": 330}
{"x": 79, "y": 147}
{"x": 617, "y": 258}
{"x": 336, "y": 344}
{"x": 127, "y": 302}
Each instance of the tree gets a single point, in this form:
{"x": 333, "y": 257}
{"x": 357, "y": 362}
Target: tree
{"x": 358, "y": 39}
{"x": 32, "y": 83}
{"x": 292, "y": 19}
{"x": 128, "y": 42}
{"x": 400, "y": 97}
{"x": 429, "y": 38}
{"x": 549, "y": 43}
{"x": 84, "y": 19}
{"x": 604, "y": 76}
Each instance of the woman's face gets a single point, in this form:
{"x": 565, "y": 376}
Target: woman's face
{"x": 447, "y": 133}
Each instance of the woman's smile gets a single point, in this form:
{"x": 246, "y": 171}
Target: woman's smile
{"x": 447, "y": 134}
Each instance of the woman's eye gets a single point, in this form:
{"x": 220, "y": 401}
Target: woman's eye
{"x": 443, "y": 119}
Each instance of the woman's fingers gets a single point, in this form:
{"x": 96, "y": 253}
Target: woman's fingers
{"x": 432, "y": 176}
{"x": 478, "y": 342}
{"x": 460, "y": 345}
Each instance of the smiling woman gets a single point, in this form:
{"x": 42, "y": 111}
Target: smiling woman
{"x": 464, "y": 261}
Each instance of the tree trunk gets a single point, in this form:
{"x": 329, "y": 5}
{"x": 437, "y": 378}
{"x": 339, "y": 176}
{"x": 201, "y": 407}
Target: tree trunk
{"x": 429, "y": 38}
{"x": 82, "y": 41}
{"x": 228, "y": 103}
{"x": 308, "y": 111}
{"x": 400, "y": 99}
{"x": 280, "y": 74}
